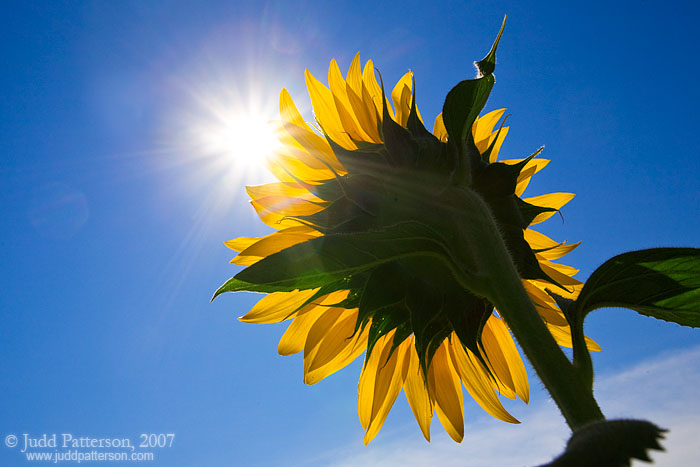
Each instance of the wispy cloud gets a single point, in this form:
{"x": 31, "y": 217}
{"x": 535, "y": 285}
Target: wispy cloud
{"x": 663, "y": 390}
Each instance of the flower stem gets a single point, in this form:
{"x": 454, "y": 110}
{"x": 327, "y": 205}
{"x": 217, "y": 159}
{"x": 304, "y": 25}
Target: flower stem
{"x": 503, "y": 287}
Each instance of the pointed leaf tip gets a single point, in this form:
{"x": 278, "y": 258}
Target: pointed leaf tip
{"x": 487, "y": 65}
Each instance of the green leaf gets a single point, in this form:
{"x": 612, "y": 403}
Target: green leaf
{"x": 464, "y": 102}
{"x": 327, "y": 259}
{"x": 611, "y": 443}
{"x": 237, "y": 285}
{"x": 660, "y": 282}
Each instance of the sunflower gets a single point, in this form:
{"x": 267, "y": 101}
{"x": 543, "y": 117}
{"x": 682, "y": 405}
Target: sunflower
{"x": 357, "y": 261}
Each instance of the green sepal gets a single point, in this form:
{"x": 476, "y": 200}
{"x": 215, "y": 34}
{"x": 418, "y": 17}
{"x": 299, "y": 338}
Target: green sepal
{"x": 385, "y": 287}
{"x": 496, "y": 184}
{"x": 372, "y": 160}
{"x": 401, "y": 148}
{"x": 663, "y": 283}
{"x": 530, "y": 211}
{"x": 497, "y": 179}
{"x": 433, "y": 156}
{"x": 328, "y": 191}
{"x": 342, "y": 215}
{"x": 414, "y": 124}
{"x": 486, "y": 156}
{"x": 348, "y": 283}
{"x": 392, "y": 317}
{"x": 467, "y": 315}
{"x": 429, "y": 323}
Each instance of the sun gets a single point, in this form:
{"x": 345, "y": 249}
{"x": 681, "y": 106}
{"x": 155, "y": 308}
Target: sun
{"x": 243, "y": 138}
{"x": 227, "y": 129}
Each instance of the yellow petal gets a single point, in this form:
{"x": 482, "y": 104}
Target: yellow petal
{"x": 246, "y": 260}
{"x": 538, "y": 241}
{"x": 562, "y": 268}
{"x": 483, "y": 126}
{"x": 326, "y": 112}
{"x": 277, "y": 306}
{"x": 401, "y": 95}
{"x": 545, "y": 304}
{"x": 274, "y": 243}
{"x": 366, "y": 118}
{"x": 287, "y": 170}
{"x": 368, "y": 377}
{"x": 524, "y": 180}
{"x": 496, "y": 360}
{"x": 477, "y": 383}
{"x": 365, "y": 387}
{"x": 513, "y": 361}
{"x": 254, "y": 249}
{"x": 558, "y": 251}
{"x": 570, "y": 291}
{"x": 273, "y": 219}
{"x": 446, "y": 392}
{"x": 553, "y": 250}
{"x": 294, "y": 168}
{"x": 332, "y": 299}
{"x": 484, "y": 144}
{"x": 439, "y": 129}
{"x": 417, "y": 393}
{"x": 354, "y": 78}
{"x": 293, "y": 190}
{"x": 375, "y": 92}
{"x": 361, "y": 102}
{"x": 241, "y": 243}
{"x": 562, "y": 335}
{"x": 338, "y": 348}
{"x": 323, "y": 324}
{"x": 297, "y": 128}
{"x": 560, "y": 277}
{"x": 390, "y": 376}
{"x": 552, "y": 200}
{"x": 316, "y": 160}
{"x": 294, "y": 337}
{"x": 530, "y": 169}
{"x": 289, "y": 206}
{"x": 342, "y": 104}
{"x": 372, "y": 116}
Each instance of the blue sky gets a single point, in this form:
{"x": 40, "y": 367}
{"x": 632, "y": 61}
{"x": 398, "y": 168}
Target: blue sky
{"x": 114, "y": 216}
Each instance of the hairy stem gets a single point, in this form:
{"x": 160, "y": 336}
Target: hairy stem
{"x": 503, "y": 287}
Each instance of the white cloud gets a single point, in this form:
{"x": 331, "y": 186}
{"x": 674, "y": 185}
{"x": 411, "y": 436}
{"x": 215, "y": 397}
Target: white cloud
{"x": 662, "y": 390}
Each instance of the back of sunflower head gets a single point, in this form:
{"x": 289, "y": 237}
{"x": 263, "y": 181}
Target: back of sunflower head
{"x": 416, "y": 248}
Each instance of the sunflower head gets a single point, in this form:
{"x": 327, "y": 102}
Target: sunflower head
{"x": 374, "y": 253}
